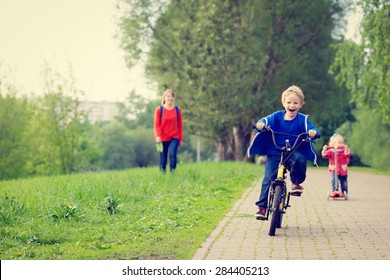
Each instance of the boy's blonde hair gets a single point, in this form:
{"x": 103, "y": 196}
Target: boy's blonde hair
{"x": 165, "y": 94}
{"x": 293, "y": 89}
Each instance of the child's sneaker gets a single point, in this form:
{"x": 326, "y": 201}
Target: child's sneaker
{"x": 296, "y": 189}
{"x": 260, "y": 214}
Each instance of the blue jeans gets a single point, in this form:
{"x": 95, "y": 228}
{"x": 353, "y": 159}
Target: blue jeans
{"x": 296, "y": 163}
{"x": 343, "y": 182}
{"x": 169, "y": 148}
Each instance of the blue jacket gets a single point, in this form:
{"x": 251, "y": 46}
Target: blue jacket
{"x": 262, "y": 142}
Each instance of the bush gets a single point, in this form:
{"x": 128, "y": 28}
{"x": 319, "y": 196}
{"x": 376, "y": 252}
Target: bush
{"x": 370, "y": 140}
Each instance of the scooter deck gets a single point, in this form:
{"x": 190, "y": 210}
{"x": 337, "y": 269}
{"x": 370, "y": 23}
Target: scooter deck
{"x": 337, "y": 195}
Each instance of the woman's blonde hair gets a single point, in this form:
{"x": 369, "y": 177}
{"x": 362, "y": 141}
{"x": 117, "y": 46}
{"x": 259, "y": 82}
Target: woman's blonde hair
{"x": 293, "y": 89}
{"x": 165, "y": 94}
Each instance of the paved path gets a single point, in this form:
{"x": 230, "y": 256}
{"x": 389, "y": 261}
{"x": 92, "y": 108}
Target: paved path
{"x": 314, "y": 228}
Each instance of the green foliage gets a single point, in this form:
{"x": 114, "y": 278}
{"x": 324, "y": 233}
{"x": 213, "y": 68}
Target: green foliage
{"x": 370, "y": 139}
{"x": 127, "y": 148}
{"x": 229, "y": 61}
{"x": 131, "y": 110}
{"x": 89, "y": 152}
{"x": 146, "y": 118}
{"x": 117, "y": 146}
{"x": 15, "y": 114}
{"x": 145, "y": 153}
{"x": 364, "y": 68}
{"x": 57, "y": 131}
{"x": 162, "y": 216}
{"x": 206, "y": 147}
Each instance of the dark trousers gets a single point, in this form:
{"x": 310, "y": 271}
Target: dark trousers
{"x": 169, "y": 149}
{"x": 296, "y": 163}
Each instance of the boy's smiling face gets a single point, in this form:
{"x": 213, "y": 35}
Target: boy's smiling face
{"x": 292, "y": 104}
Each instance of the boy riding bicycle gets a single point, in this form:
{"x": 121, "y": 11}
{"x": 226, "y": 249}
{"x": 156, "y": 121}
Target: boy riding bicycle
{"x": 288, "y": 121}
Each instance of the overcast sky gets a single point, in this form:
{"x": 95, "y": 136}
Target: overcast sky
{"x": 79, "y": 33}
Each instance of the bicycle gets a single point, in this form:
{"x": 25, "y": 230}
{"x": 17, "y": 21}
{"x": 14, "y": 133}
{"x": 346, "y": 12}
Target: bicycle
{"x": 278, "y": 197}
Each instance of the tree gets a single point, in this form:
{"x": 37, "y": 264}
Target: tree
{"x": 146, "y": 118}
{"x": 15, "y": 114}
{"x": 136, "y": 111}
{"x": 364, "y": 68}
{"x": 56, "y": 129}
{"x": 117, "y": 147}
{"x": 370, "y": 139}
{"x": 230, "y": 60}
{"x": 145, "y": 153}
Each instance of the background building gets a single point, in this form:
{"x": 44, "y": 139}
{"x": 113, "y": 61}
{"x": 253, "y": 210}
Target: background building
{"x": 99, "y": 111}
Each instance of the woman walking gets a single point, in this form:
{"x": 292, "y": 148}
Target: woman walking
{"x": 168, "y": 130}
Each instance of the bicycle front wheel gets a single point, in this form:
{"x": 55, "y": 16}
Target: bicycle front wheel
{"x": 276, "y": 210}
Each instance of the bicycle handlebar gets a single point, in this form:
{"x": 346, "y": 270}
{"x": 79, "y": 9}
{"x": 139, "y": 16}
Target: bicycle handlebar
{"x": 287, "y": 147}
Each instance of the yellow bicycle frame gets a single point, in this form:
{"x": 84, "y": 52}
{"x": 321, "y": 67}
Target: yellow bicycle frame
{"x": 281, "y": 171}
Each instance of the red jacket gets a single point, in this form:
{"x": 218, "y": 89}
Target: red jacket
{"x": 169, "y": 126}
{"x": 338, "y": 160}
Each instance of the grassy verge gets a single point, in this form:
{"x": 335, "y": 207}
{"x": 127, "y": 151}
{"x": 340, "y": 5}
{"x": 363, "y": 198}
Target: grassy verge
{"x": 133, "y": 214}
{"x": 369, "y": 170}
{"x": 360, "y": 169}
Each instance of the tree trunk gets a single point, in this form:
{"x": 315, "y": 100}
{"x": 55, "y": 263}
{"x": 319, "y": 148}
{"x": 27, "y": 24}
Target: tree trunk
{"x": 220, "y": 147}
{"x": 224, "y": 149}
{"x": 241, "y": 140}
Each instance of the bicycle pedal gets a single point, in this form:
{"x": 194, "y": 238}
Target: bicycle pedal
{"x": 295, "y": 194}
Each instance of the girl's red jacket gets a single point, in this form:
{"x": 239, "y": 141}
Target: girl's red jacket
{"x": 343, "y": 160}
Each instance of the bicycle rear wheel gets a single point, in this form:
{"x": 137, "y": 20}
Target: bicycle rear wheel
{"x": 276, "y": 210}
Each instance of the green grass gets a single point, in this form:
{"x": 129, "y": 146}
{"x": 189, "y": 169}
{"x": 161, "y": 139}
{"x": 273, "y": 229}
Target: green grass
{"x": 360, "y": 169}
{"x": 369, "y": 170}
{"x": 132, "y": 214}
